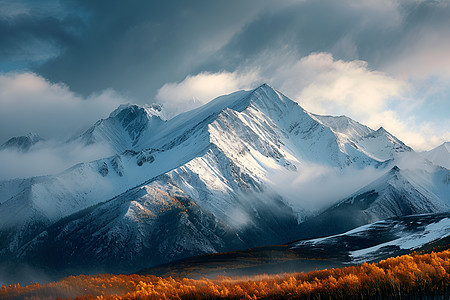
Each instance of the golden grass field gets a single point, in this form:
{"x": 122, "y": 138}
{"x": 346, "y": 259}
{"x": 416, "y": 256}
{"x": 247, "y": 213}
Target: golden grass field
{"x": 409, "y": 276}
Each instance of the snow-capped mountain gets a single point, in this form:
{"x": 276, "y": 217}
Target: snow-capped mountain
{"x": 124, "y": 127}
{"x": 198, "y": 183}
{"x": 22, "y": 143}
{"x": 439, "y": 156}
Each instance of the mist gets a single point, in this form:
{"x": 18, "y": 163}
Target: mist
{"x": 47, "y": 158}
{"x": 25, "y": 274}
{"x": 314, "y": 187}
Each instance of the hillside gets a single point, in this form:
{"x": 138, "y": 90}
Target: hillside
{"x": 408, "y": 276}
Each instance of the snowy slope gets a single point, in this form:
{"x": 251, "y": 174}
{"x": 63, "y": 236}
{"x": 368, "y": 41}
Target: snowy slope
{"x": 307, "y": 137}
{"x": 431, "y": 232}
{"x": 47, "y": 199}
{"x": 398, "y": 195}
{"x": 382, "y": 145}
{"x": 439, "y": 156}
{"x": 386, "y": 238}
{"x": 349, "y": 128}
{"x": 9, "y": 188}
{"x": 379, "y": 144}
{"x": 159, "y": 222}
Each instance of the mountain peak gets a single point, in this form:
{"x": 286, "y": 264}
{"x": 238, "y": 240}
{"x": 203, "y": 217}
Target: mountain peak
{"x": 122, "y": 107}
{"x": 395, "y": 169}
{"x": 264, "y": 86}
{"x": 157, "y": 110}
{"x": 126, "y": 109}
{"x": 124, "y": 126}
{"x": 381, "y": 130}
{"x": 22, "y": 143}
{"x": 439, "y": 156}
{"x": 32, "y": 136}
{"x": 442, "y": 149}
{"x": 270, "y": 100}
{"x": 132, "y": 111}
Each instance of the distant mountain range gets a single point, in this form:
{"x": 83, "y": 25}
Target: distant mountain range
{"x": 439, "y": 156}
{"x": 22, "y": 143}
{"x": 205, "y": 182}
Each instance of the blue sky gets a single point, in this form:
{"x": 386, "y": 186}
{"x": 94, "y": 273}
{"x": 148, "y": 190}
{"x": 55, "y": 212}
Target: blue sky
{"x": 65, "y": 64}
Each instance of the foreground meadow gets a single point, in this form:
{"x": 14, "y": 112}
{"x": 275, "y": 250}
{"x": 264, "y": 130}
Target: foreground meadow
{"x": 414, "y": 276}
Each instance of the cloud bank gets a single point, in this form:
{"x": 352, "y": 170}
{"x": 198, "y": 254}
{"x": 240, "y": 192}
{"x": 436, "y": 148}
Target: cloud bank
{"x": 30, "y": 103}
{"x": 316, "y": 187}
{"x": 199, "y": 89}
{"x": 47, "y": 158}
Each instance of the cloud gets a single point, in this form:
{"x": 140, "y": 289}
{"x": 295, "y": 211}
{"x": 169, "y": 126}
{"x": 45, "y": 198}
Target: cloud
{"x": 318, "y": 82}
{"x": 198, "y": 89}
{"x": 31, "y": 103}
{"x": 349, "y": 30}
{"x": 426, "y": 56}
{"x": 316, "y": 187}
{"x": 420, "y": 50}
{"x": 325, "y": 85}
{"x": 419, "y": 135}
{"x": 46, "y": 158}
{"x": 32, "y": 33}
{"x": 137, "y": 47}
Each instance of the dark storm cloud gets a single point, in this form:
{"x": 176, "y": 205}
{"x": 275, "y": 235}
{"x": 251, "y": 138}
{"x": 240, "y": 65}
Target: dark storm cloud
{"x": 138, "y": 46}
{"x": 30, "y": 35}
{"x": 305, "y": 27}
{"x": 375, "y": 31}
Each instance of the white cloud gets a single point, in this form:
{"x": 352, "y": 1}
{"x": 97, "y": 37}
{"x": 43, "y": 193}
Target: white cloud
{"x": 324, "y": 85}
{"x": 30, "y": 103}
{"x": 318, "y": 82}
{"x": 315, "y": 187}
{"x": 48, "y": 158}
{"x": 199, "y": 89}
{"x": 419, "y": 135}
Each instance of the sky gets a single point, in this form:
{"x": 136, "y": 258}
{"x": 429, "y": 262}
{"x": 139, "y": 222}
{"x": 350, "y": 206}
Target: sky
{"x": 66, "y": 64}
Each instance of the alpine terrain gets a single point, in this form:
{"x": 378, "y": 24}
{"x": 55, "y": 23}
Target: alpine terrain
{"x": 226, "y": 176}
